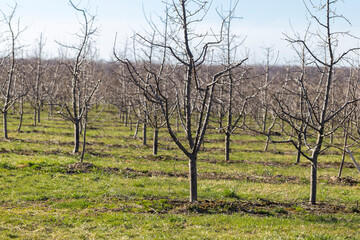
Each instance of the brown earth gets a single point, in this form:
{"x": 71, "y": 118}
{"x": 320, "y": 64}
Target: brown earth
{"x": 273, "y": 179}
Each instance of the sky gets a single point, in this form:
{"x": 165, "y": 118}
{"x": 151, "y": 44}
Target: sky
{"x": 262, "y": 22}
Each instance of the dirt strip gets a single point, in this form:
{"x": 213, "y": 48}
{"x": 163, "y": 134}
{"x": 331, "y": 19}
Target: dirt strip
{"x": 273, "y": 179}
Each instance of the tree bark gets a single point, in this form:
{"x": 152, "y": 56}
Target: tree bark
{"x": 193, "y": 179}
{"x": 35, "y": 116}
{"x": 314, "y": 166}
{"x": 5, "y": 125}
{"x": 267, "y": 145}
{"x": 38, "y": 116}
{"x": 21, "y": 115}
{"x": 156, "y": 140}
{"x": 76, "y": 136}
{"x": 84, "y": 138}
{"x": 227, "y": 146}
{"x": 343, "y": 155}
{"x": 177, "y": 123}
{"x": 298, "y": 157}
{"x": 313, "y": 181}
{"x": 144, "y": 134}
{"x": 136, "y": 129}
{"x": 126, "y": 118}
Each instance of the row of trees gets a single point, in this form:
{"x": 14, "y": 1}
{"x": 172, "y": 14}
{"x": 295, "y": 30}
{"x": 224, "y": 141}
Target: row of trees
{"x": 180, "y": 78}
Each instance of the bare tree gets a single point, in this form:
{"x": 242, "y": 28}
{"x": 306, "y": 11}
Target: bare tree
{"x": 37, "y": 87}
{"x": 21, "y": 88}
{"x": 265, "y": 96}
{"x": 317, "y": 114}
{"x": 231, "y": 99}
{"x": 193, "y": 94}
{"x": 81, "y": 90}
{"x": 9, "y": 64}
{"x": 349, "y": 129}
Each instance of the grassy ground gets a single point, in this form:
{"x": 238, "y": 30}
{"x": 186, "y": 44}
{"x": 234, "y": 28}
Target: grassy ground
{"x": 128, "y": 193}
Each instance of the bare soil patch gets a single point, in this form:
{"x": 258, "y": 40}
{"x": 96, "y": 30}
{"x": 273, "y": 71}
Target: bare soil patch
{"x": 347, "y": 181}
{"x": 32, "y": 152}
{"x": 272, "y": 179}
{"x": 259, "y": 207}
{"x": 264, "y": 163}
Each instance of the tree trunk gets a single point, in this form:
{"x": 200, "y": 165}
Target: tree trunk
{"x": 81, "y": 127}
{"x": 38, "y": 116}
{"x": 84, "y": 138}
{"x": 267, "y": 145}
{"x": 343, "y": 155}
{"x": 35, "y": 116}
{"x": 331, "y": 137}
{"x": 136, "y": 129}
{"x": 313, "y": 181}
{"x": 298, "y": 157}
{"x": 5, "y": 125}
{"x": 156, "y": 140}
{"x": 227, "y": 146}
{"x": 20, "y": 121}
{"x": 76, "y": 136}
{"x": 50, "y": 111}
{"x": 193, "y": 179}
{"x": 177, "y": 123}
{"x": 220, "y": 126}
{"x": 126, "y": 119}
{"x": 314, "y": 166}
{"x": 21, "y": 112}
{"x": 144, "y": 134}
{"x": 130, "y": 119}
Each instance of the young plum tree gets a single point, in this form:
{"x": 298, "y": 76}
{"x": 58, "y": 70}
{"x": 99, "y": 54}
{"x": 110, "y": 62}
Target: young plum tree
{"x": 8, "y": 64}
{"x": 191, "y": 93}
{"x": 316, "y": 115}
{"x": 82, "y": 88}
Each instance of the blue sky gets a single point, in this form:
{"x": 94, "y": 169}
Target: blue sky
{"x": 263, "y": 21}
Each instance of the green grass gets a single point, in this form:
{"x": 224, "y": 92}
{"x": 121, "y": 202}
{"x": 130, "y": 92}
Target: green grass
{"x": 134, "y": 195}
